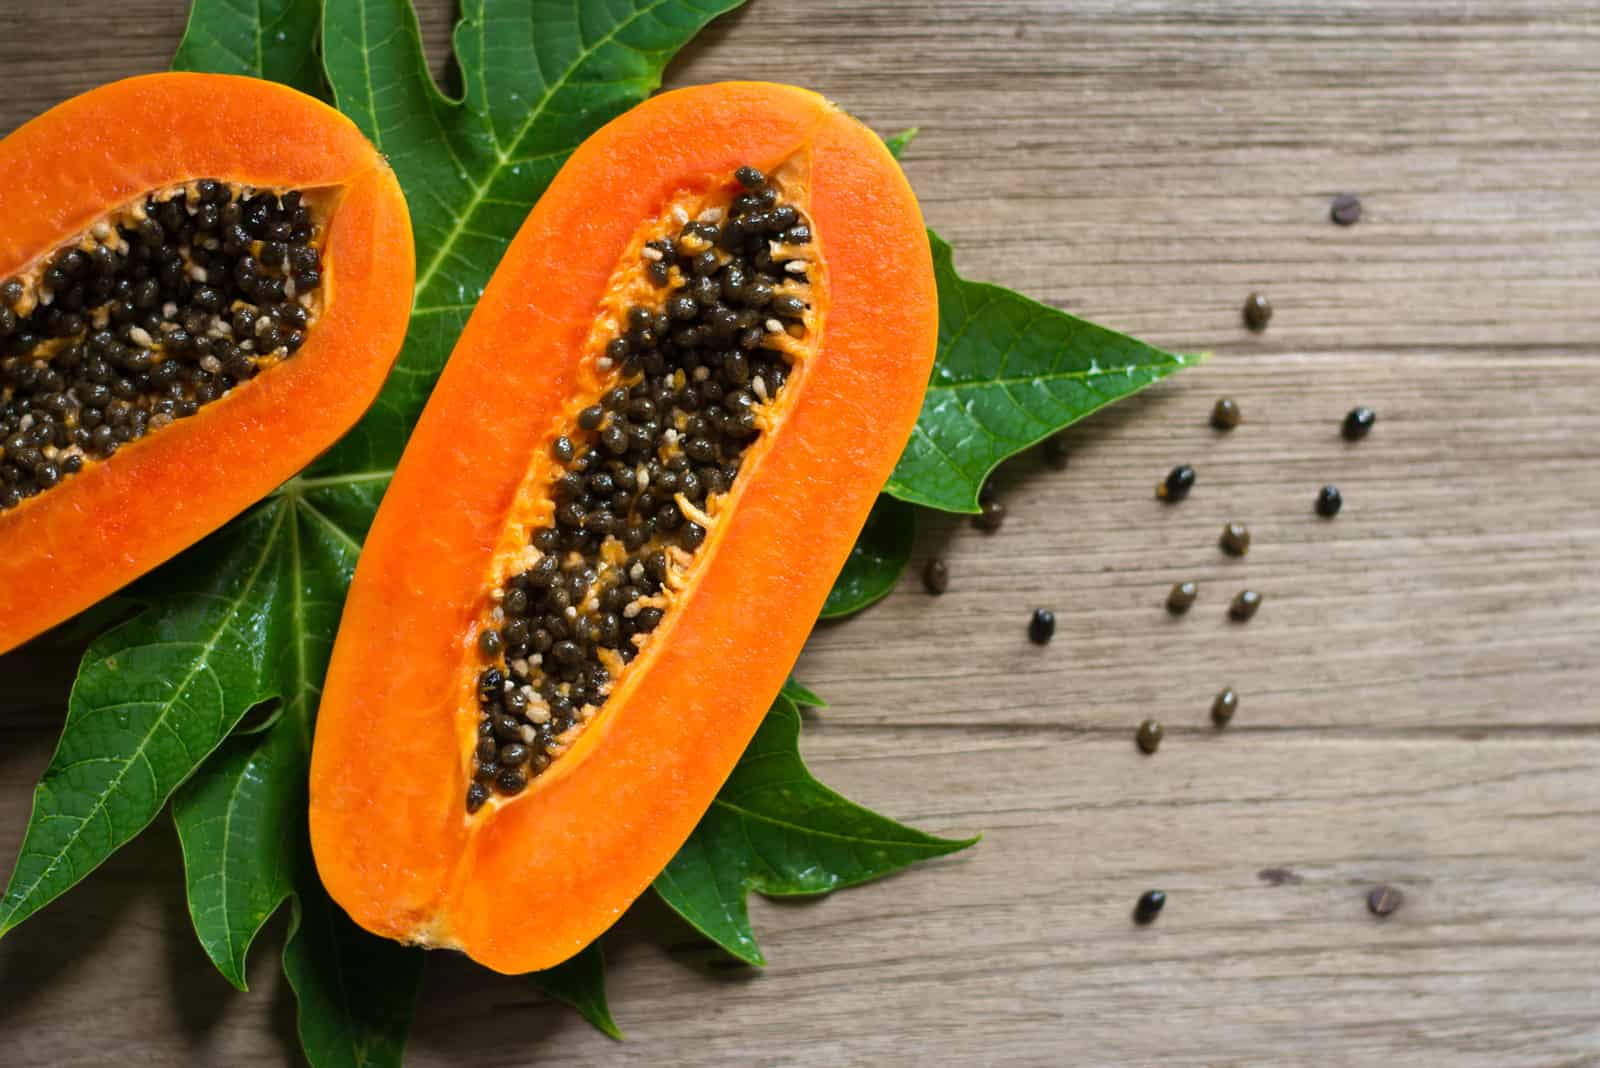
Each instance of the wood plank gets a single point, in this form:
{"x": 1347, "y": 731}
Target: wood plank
{"x": 1418, "y": 693}
{"x": 1149, "y": 165}
{"x": 1456, "y": 584}
{"x": 1023, "y": 944}
{"x": 1447, "y": 591}
{"x": 1149, "y": 169}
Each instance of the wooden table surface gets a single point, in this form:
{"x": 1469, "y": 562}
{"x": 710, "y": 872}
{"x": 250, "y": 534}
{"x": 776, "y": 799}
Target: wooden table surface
{"x": 1419, "y": 695}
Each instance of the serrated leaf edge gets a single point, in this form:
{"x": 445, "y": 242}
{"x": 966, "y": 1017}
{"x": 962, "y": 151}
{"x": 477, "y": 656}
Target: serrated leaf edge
{"x": 10, "y": 920}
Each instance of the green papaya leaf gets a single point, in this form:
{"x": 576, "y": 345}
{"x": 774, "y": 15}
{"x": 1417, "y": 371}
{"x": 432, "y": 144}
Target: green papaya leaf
{"x": 801, "y": 695}
{"x": 241, "y": 817}
{"x": 239, "y": 823}
{"x": 152, "y": 698}
{"x": 539, "y": 78}
{"x": 271, "y": 39}
{"x": 880, "y": 554}
{"x": 1010, "y": 372}
{"x": 776, "y": 830}
{"x": 581, "y": 983}
{"x": 356, "y": 991}
{"x": 897, "y": 142}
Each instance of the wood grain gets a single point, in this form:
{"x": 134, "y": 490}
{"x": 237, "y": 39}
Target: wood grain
{"x": 1418, "y": 694}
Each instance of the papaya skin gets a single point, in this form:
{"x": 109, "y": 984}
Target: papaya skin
{"x": 529, "y": 880}
{"x": 75, "y": 544}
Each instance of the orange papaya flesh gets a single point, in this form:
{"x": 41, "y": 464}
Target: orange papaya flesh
{"x": 203, "y": 282}
{"x": 609, "y": 536}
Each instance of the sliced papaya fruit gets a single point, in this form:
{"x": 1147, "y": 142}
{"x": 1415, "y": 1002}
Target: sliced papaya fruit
{"x": 613, "y": 528}
{"x": 203, "y": 282}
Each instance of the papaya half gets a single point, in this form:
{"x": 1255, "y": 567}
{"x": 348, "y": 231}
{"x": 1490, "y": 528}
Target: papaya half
{"x": 204, "y": 280}
{"x": 614, "y": 526}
